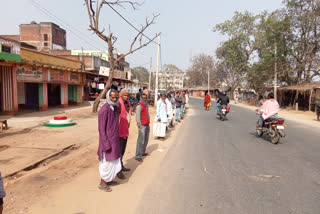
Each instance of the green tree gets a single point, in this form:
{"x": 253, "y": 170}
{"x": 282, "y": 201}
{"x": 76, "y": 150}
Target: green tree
{"x": 141, "y": 74}
{"x": 304, "y": 17}
{"x": 231, "y": 64}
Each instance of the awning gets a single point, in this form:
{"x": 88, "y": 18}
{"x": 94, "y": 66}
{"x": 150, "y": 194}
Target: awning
{"x": 9, "y": 57}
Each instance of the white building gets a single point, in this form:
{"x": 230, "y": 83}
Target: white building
{"x": 171, "y": 80}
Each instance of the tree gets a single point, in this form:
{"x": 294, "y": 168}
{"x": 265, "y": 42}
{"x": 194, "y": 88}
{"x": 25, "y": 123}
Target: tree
{"x": 141, "y": 74}
{"x": 231, "y": 65}
{"x": 197, "y": 73}
{"x": 304, "y": 19}
{"x": 242, "y": 29}
{"x": 94, "y": 8}
{"x": 272, "y": 29}
{"x": 236, "y": 55}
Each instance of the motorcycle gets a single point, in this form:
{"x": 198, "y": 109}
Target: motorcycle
{"x": 224, "y": 110}
{"x": 275, "y": 128}
{"x": 133, "y": 102}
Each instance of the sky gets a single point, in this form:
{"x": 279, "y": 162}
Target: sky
{"x": 185, "y": 25}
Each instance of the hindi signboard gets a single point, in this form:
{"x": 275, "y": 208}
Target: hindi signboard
{"x": 27, "y": 73}
{"x": 74, "y": 77}
{"x": 56, "y": 76}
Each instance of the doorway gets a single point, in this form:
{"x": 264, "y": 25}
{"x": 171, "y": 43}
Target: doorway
{"x": 54, "y": 95}
{"x": 32, "y": 96}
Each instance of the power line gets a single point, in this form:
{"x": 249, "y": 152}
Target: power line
{"x": 129, "y": 23}
{"x": 51, "y": 15}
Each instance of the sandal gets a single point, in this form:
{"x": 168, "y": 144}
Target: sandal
{"x": 113, "y": 183}
{"x": 105, "y": 188}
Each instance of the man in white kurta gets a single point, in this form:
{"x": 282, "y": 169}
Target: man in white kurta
{"x": 169, "y": 110}
{"x": 161, "y": 119}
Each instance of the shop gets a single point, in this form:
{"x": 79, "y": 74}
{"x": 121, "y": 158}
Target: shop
{"x": 95, "y": 83}
{"x": 9, "y": 58}
{"x": 46, "y": 81}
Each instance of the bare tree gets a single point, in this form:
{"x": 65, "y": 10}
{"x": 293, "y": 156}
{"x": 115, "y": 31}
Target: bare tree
{"x": 94, "y": 9}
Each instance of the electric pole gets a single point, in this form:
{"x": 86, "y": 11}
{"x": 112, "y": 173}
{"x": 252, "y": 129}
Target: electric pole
{"x": 150, "y": 74}
{"x": 275, "y": 72}
{"x": 157, "y": 73}
{"x": 209, "y": 82}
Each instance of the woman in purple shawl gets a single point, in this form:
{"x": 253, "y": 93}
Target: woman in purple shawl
{"x": 109, "y": 151}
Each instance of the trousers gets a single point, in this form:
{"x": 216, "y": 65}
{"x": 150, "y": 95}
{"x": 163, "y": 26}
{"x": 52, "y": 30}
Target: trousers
{"x": 143, "y": 139}
{"x": 123, "y": 146}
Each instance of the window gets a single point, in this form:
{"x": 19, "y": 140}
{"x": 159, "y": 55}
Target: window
{"x": 45, "y": 36}
{"x": 6, "y": 49}
{"x": 46, "y": 44}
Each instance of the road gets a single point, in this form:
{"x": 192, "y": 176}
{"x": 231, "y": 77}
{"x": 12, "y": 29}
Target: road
{"x": 222, "y": 167}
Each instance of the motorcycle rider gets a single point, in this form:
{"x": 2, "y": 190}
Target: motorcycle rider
{"x": 223, "y": 99}
{"x": 269, "y": 110}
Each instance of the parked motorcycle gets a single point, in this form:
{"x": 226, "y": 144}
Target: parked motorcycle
{"x": 275, "y": 128}
{"x": 224, "y": 110}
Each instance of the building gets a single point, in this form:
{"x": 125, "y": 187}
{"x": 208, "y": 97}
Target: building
{"x": 97, "y": 69}
{"x": 44, "y": 36}
{"x": 45, "y": 81}
{"x": 9, "y": 59}
{"x": 171, "y": 80}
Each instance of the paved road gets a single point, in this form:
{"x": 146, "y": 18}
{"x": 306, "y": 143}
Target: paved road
{"x": 222, "y": 167}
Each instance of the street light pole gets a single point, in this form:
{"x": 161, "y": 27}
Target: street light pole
{"x": 275, "y": 72}
{"x": 209, "y": 82}
{"x": 157, "y": 72}
{"x": 150, "y": 74}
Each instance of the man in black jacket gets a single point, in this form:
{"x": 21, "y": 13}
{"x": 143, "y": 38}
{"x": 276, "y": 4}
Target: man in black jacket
{"x": 222, "y": 100}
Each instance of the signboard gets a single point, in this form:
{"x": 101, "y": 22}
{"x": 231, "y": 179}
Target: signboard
{"x": 104, "y": 71}
{"x": 123, "y": 75}
{"x": 27, "y": 73}
{"x": 74, "y": 77}
{"x": 56, "y": 76}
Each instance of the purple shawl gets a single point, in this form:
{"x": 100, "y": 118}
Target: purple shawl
{"x": 109, "y": 133}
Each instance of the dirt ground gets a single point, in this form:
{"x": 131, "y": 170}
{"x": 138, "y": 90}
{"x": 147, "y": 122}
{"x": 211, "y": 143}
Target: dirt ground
{"x": 66, "y": 178}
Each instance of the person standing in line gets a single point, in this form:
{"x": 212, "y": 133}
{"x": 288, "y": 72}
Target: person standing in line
{"x": 178, "y": 101}
{"x": 187, "y": 100}
{"x": 183, "y": 104}
{"x": 2, "y": 193}
{"x": 139, "y": 95}
{"x": 236, "y": 97}
{"x": 169, "y": 109}
{"x": 161, "y": 119}
{"x": 109, "y": 150}
{"x": 143, "y": 122}
{"x": 317, "y": 106}
{"x": 173, "y": 103}
{"x": 124, "y": 124}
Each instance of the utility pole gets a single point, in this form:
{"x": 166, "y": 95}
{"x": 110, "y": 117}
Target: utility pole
{"x": 275, "y": 72}
{"x": 157, "y": 73}
{"x": 209, "y": 82}
{"x": 150, "y": 74}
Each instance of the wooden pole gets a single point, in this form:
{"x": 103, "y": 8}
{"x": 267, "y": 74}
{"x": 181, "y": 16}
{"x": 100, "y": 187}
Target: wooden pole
{"x": 310, "y": 99}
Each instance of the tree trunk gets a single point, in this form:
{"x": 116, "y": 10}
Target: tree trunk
{"x": 108, "y": 84}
